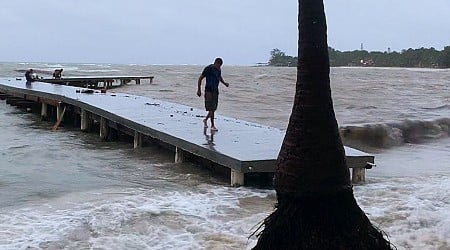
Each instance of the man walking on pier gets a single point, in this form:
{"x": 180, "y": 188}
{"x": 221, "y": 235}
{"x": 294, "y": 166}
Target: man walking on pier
{"x": 213, "y": 76}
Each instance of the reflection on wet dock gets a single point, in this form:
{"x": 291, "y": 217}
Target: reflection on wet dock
{"x": 240, "y": 148}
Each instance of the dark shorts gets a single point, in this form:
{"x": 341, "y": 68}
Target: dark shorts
{"x": 211, "y": 100}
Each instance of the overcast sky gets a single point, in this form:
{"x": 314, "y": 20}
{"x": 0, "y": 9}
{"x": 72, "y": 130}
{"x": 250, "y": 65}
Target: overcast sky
{"x": 243, "y": 32}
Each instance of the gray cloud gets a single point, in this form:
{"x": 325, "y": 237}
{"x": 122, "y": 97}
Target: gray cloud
{"x": 194, "y": 32}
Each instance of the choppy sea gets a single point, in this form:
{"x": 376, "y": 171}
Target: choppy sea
{"x": 70, "y": 190}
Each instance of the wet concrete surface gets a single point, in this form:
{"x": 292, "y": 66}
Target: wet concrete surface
{"x": 241, "y": 145}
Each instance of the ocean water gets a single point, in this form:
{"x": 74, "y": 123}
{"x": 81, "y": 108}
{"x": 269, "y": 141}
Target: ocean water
{"x": 70, "y": 190}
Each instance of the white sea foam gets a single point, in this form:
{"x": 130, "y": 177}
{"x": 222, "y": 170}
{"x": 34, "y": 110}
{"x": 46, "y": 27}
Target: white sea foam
{"x": 144, "y": 219}
{"x": 416, "y": 216}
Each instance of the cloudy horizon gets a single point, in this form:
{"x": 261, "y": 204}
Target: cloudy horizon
{"x": 182, "y": 32}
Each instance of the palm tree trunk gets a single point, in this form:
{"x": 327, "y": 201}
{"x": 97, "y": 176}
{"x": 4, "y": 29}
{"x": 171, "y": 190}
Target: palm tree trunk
{"x": 316, "y": 208}
{"x": 312, "y": 157}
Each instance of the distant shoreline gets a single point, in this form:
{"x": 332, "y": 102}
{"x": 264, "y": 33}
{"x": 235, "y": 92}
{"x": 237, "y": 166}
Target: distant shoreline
{"x": 410, "y": 58}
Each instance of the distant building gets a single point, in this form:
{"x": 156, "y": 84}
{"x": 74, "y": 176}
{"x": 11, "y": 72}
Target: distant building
{"x": 367, "y": 63}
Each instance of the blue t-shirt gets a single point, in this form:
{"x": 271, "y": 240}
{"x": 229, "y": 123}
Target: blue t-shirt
{"x": 213, "y": 76}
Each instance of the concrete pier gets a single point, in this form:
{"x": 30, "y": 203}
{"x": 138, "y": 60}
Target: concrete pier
{"x": 98, "y": 82}
{"x": 240, "y": 147}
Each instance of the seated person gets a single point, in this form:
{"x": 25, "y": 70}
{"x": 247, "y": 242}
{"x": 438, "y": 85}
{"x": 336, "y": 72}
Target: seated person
{"x": 57, "y": 73}
{"x": 29, "y": 75}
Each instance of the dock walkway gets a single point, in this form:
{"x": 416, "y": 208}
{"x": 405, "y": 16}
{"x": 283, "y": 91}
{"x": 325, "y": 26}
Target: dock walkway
{"x": 240, "y": 146}
{"x": 96, "y": 82}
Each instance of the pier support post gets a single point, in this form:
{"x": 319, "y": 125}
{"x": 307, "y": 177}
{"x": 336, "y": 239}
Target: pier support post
{"x": 179, "y": 155}
{"x": 85, "y": 121}
{"x": 44, "y": 111}
{"x": 60, "y": 116}
{"x": 358, "y": 175}
{"x": 137, "y": 139}
{"x": 237, "y": 178}
{"x": 59, "y": 112}
{"x": 104, "y": 129}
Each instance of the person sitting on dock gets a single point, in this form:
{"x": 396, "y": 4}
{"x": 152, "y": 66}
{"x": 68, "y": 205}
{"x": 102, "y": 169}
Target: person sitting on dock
{"x": 57, "y": 73}
{"x": 213, "y": 76}
{"x": 29, "y": 76}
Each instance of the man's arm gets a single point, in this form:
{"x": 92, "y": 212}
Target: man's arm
{"x": 199, "y": 89}
{"x": 224, "y": 83}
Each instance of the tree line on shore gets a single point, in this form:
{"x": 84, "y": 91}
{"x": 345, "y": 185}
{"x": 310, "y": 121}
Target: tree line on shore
{"x": 410, "y": 58}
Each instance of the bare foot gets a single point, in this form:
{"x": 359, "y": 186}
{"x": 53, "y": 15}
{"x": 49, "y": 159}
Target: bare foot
{"x": 205, "y": 123}
{"x": 213, "y": 128}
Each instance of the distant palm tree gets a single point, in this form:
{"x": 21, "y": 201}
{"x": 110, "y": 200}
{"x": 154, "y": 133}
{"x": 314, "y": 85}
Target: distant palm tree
{"x": 316, "y": 208}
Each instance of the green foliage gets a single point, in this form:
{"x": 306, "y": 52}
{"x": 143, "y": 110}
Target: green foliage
{"x": 279, "y": 58}
{"x": 444, "y": 58}
{"x": 412, "y": 58}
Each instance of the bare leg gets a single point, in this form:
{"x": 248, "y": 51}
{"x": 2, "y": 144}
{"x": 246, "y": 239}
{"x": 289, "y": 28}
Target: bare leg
{"x": 211, "y": 115}
{"x": 205, "y": 121}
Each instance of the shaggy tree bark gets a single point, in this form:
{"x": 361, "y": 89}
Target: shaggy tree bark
{"x": 316, "y": 208}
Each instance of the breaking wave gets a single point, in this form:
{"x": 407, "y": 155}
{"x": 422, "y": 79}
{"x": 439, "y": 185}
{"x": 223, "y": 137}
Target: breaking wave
{"x": 388, "y": 135}
{"x": 441, "y": 107}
